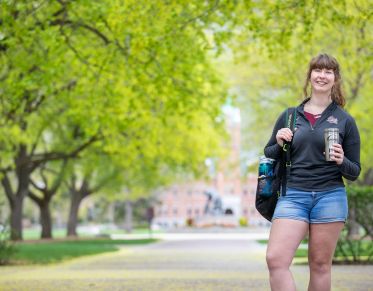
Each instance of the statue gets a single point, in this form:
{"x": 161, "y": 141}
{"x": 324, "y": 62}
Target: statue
{"x": 214, "y": 205}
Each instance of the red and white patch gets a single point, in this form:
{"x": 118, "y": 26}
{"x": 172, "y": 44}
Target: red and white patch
{"x": 332, "y": 119}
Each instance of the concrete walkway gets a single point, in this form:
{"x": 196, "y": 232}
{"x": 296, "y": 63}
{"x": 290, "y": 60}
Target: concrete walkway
{"x": 187, "y": 263}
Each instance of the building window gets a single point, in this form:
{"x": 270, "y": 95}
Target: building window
{"x": 196, "y": 211}
{"x": 175, "y": 211}
{"x": 190, "y": 192}
{"x": 245, "y": 192}
{"x": 189, "y": 212}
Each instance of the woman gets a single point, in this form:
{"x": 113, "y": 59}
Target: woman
{"x": 315, "y": 200}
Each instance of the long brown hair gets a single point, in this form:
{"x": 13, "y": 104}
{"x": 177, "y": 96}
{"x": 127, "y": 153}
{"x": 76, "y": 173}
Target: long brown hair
{"x": 325, "y": 61}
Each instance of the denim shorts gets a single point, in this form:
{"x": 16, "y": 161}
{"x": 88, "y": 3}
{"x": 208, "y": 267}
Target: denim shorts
{"x": 313, "y": 206}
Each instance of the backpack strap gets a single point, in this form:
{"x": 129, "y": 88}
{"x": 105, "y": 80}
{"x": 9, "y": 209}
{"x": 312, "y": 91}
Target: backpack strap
{"x": 291, "y": 116}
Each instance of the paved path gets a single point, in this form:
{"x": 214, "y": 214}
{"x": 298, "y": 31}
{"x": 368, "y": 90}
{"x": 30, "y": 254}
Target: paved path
{"x": 175, "y": 264}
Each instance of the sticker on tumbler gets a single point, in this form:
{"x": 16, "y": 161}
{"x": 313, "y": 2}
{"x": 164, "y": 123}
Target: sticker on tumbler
{"x": 331, "y": 136}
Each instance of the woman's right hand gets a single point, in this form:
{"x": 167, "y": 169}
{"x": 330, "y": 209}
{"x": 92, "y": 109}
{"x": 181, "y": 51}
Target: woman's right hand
{"x": 284, "y": 134}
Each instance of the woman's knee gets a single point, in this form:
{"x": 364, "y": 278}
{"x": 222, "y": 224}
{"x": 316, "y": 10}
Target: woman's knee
{"x": 277, "y": 260}
{"x": 320, "y": 265}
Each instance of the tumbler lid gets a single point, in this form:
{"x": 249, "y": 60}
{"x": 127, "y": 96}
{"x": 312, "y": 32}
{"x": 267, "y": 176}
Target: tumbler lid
{"x": 332, "y": 129}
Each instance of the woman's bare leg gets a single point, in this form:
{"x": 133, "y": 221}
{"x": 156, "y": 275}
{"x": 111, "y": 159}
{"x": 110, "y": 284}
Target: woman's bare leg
{"x": 323, "y": 239}
{"x": 284, "y": 239}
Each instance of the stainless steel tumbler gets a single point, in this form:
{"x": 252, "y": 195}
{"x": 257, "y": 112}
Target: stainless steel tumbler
{"x": 331, "y": 136}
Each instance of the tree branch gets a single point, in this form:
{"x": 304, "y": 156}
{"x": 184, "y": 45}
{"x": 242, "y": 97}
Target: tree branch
{"x": 8, "y": 188}
{"x": 357, "y": 84}
{"x": 59, "y": 178}
{"x": 36, "y": 186}
{"x": 75, "y": 51}
{"x": 63, "y": 22}
{"x": 43, "y": 177}
{"x": 34, "y": 145}
{"x": 52, "y": 156}
{"x": 35, "y": 198}
{"x": 84, "y": 188}
{"x": 203, "y": 14}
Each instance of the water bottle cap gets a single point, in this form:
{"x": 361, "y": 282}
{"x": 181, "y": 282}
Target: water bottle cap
{"x": 264, "y": 159}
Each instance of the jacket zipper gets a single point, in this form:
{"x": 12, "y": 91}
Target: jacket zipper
{"x": 310, "y": 124}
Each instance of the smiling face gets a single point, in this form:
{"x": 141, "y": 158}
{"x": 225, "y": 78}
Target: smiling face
{"x": 323, "y": 76}
{"x": 322, "y": 80}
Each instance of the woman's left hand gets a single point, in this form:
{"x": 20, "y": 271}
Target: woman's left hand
{"x": 337, "y": 154}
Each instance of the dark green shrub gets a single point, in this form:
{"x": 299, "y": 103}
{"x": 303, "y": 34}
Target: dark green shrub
{"x": 354, "y": 251}
{"x": 355, "y": 244}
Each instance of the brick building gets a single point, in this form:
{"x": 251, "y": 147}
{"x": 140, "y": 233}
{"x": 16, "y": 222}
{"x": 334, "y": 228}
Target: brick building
{"x": 189, "y": 202}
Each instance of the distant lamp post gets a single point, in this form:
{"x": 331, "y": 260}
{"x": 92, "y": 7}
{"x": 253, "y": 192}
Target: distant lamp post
{"x": 210, "y": 164}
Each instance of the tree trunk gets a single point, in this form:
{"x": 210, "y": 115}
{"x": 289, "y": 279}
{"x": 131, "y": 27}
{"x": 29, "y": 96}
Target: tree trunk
{"x": 3, "y": 214}
{"x": 72, "y": 223}
{"x": 22, "y": 172}
{"x": 111, "y": 212}
{"x": 368, "y": 178}
{"x": 17, "y": 207}
{"x": 45, "y": 220}
{"x": 45, "y": 215}
{"x": 353, "y": 230}
{"x": 128, "y": 216}
{"x": 16, "y": 218}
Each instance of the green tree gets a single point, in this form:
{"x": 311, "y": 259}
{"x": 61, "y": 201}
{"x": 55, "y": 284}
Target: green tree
{"x": 79, "y": 73}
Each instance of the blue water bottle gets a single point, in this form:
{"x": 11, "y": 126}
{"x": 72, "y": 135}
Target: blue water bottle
{"x": 266, "y": 167}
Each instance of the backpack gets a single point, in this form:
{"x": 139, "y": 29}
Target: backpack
{"x": 276, "y": 180}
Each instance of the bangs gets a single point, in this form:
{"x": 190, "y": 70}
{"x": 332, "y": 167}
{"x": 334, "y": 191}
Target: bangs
{"x": 324, "y": 61}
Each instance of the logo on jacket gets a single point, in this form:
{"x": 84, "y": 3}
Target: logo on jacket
{"x": 332, "y": 119}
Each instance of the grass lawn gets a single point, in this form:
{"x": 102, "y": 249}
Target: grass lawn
{"x": 35, "y": 234}
{"x": 61, "y": 233}
{"x": 265, "y": 241}
{"x": 43, "y": 252}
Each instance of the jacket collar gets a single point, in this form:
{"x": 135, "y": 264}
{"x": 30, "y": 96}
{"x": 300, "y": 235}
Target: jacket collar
{"x": 330, "y": 107}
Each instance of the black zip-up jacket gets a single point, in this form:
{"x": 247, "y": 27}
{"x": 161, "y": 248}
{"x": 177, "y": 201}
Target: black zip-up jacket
{"x": 309, "y": 170}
